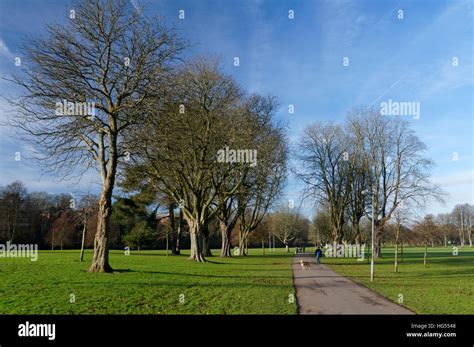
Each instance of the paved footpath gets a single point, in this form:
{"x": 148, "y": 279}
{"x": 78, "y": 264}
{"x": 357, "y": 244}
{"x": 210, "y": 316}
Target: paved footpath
{"x": 320, "y": 290}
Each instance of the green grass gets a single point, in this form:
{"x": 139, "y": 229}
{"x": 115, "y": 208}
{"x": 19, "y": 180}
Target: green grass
{"x": 445, "y": 286}
{"x": 147, "y": 282}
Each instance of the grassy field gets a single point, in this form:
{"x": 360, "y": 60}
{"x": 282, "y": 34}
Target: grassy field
{"x": 147, "y": 282}
{"x": 445, "y": 286}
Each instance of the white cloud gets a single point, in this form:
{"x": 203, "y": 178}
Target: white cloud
{"x": 4, "y": 50}
{"x": 455, "y": 179}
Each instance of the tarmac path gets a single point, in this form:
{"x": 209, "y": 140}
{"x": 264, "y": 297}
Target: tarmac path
{"x": 319, "y": 290}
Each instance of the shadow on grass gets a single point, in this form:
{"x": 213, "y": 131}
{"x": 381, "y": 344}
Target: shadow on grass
{"x": 118, "y": 271}
{"x": 433, "y": 262}
{"x": 400, "y": 275}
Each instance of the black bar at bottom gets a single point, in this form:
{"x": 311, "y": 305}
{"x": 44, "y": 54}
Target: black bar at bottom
{"x": 135, "y": 330}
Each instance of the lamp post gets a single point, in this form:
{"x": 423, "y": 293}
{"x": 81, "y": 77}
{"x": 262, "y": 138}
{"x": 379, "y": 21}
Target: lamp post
{"x": 366, "y": 192}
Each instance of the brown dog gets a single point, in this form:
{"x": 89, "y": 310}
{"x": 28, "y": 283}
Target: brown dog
{"x": 305, "y": 265}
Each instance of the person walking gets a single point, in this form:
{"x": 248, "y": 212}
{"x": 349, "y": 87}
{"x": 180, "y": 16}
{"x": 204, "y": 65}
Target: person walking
{"x": 318, "y": 254}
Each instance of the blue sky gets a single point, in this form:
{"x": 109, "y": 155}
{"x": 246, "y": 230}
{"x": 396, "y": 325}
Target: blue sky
{"x": 300, "y": 61}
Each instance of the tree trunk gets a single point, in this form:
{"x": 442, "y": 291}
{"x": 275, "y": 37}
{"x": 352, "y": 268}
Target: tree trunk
{"x": 401, "y": 249}
{"x": 100, "y": 260}
{"x": 225, "y": 246}
{"x": 426, "y": 251}
{"x": 196, "y": 245}
{"x": 206, "y": 251}
{"x": 396, "y": 257}
{"x": 81, "y": 258}
{"x": 378, "y": 242}
{"x": 358, "y": 237}
{"x": 469, "y": 232}
{"x": 242, "y": 237}
{"x": 287, "y": 247}
{"x": 177, "y": 245}
{"x": 357, "y": 240}
{"x": 397, "y": 236}
{"x": 263, "y": 247}
{"x": 336, "y": 235}
{"x": 172, "y": 229}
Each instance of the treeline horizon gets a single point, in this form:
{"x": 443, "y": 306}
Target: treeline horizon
{"x": 29, "y": 217}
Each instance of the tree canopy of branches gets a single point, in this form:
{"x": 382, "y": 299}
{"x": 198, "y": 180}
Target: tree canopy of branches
{"x": 177, "y": 150}
{"x": 288, "y": 225}
{"x": 326, "y": 163}
{"x": 397, "y": 169}
{"x": 107, "y": 62}
{"x": 254, "y": 131}
{"x": 264, "y": 183}
{"x": 371, "y": 153}
{"x": 184, "y": 150}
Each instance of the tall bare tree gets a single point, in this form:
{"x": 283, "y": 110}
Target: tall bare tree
{"x": 259, "y": 133}
{"x": 177, "y": 152}
{"x": 395, "y": 163}
{"x": 462, "y": 218}
{"x": 327, "y": 156}
{"x": 426, "y": 231}
{"x": 85, "y": 85}
{"x": 447, "y": 227}
{"x": 288, "y": 225}
{"x": 357, "y": 185}
{"x": 264, "y": 183}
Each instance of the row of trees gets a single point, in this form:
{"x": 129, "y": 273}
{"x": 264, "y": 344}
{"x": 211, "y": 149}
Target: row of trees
{"x": 176, "y": 155}
{"x": 45, "y": 219}
{"x": 369, "y": 160}
{"x": 156, "y": 119}
{"x": 138, "y": 221}
{"x": 444, "y": 229}
{"x": 182, "y": 135}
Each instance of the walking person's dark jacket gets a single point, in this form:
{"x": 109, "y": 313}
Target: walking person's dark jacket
{"x": 318, "y": 253}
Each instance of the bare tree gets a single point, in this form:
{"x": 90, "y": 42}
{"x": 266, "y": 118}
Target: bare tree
{"x": 63, "y": 229}
{"x": 426, "y": 230}
{"x": 287, "y": 225}
{"x": 322, "y": 225}
{"x": 264, "y": 184}
{"x": 447, "y": 227}
{"x": 87, "y": 208}
{"x": 400, "y": 217}
{"x": 256, "y": 132}
{"x": 327, "y": 156}
{"x": 462, "y": 218}
{"x": 85, "y": 85}
{"x": 12, "y": 199}
{"x": 470, "y": 212}
{"x": 396, "y": 166}
{"x": 178, "y": 148}
{"x": 358, "y": 181}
